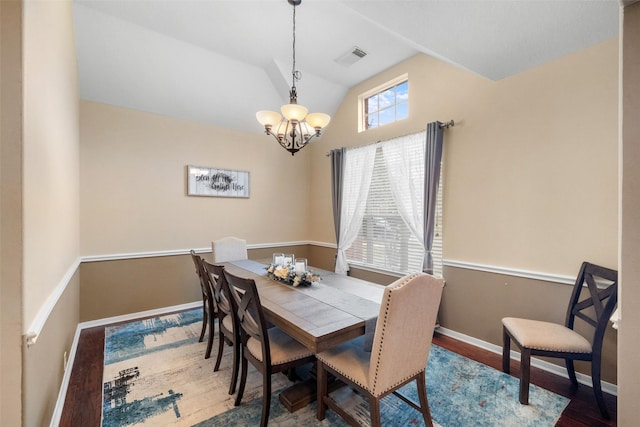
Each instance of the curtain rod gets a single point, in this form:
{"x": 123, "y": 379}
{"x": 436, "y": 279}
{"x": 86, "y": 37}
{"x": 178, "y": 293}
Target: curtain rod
{"x": 446, "y": 125}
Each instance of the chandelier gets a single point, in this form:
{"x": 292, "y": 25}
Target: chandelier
{"x": 293, "y": 131}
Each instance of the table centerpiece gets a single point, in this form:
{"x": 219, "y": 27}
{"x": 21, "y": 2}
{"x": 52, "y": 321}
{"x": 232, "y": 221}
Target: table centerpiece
{"x": 291, "y": 273}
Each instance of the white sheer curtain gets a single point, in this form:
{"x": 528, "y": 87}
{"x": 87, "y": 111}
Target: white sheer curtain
{"x": 355, "y": 189}
{"x": 404, "y": 158}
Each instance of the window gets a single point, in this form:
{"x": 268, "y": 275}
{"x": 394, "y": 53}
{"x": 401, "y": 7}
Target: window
{"x": 385, "y": 104}
{"x": 385, "y": 241}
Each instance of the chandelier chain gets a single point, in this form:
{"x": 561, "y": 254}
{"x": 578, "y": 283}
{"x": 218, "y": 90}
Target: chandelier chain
{"x": 296, "y": 75}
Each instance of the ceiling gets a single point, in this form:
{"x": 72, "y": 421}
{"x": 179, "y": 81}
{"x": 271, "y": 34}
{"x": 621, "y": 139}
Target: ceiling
{"x": 220, "y": 61}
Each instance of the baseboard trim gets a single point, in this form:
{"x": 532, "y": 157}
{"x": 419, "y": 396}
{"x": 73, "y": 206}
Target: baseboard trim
{"x": 140, "y": 314}
{"x": 62, "y": 394}
{"x": 538, "y": 363}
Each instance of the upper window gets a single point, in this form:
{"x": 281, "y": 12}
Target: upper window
{"x": 385, "y": 104}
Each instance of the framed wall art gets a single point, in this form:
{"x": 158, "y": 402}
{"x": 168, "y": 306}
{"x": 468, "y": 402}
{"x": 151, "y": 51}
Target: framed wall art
{"x": 215, "y": 182}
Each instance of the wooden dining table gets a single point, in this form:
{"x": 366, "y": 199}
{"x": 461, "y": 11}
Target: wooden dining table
{"x": 320, "y": 316}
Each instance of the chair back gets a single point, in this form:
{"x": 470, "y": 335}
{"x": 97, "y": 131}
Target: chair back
{"x": 197, "y": 261}
{"x": 250, "y": 316}
{"x": 404, "y": 330}
{"x": 601, "y": 286}
{"x": 215, "y": 276}
{"x": 229, "y": 249}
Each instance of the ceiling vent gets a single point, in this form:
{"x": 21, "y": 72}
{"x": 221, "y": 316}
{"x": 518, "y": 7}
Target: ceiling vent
{"x": 351, "y": 57}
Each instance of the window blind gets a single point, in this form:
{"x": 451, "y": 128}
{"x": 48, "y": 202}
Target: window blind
{"x": 385, "y": 241}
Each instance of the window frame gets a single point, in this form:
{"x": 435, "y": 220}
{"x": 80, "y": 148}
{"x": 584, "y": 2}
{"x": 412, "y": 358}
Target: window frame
{"x": 363, "y": 113}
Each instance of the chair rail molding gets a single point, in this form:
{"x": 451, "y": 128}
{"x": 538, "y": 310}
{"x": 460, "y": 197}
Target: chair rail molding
{"x": 36, "y": 325}
{"x": 527, "y": 274}
{"x": 173, "y": 252}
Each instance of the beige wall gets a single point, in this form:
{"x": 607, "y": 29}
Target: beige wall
{"x": 629, "y": 346}
{"x": 51, "y": 151}
{"x": 50, "y": 196}
{"x": 531, "y": 160}
{"x": 133, "y": 184}
{"x": 10, "y": 213}
{"x": 530, "y": 178}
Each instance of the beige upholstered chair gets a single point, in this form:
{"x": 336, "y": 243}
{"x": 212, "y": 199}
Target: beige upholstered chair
{"x": 269, "y": 350}
{"x": 536, "y": 338}
{"x": 229, "y": 249}
{"x": 400, "y": 350}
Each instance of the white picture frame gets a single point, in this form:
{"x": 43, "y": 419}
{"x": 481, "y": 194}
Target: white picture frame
{"x": 217, "y": 182}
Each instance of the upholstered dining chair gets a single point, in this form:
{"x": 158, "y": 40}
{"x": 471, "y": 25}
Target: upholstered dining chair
{"x": 228, "y": 329}
{"x": 208, "y": 306}
{"x": 229, "y": 249}
{"x": 401, "y": 345}
{"x": 537, "y": 338}
{"x": 269, "y": 350}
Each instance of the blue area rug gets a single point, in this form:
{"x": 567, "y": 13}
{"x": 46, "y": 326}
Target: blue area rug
{"x": 156, "y": 374}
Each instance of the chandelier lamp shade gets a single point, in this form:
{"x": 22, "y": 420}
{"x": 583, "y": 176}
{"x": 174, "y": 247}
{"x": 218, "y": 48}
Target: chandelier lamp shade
{"x": 294, "y": 128}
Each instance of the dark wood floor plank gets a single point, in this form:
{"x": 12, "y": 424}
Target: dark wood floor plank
{"x": 83, "y": 404}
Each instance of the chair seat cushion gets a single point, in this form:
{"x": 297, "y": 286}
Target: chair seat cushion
{"x": 538, "y": 335}
{"x": 350, "y": 360}
{"x": 283, "y": 348}
{"x": 227, "y": 322}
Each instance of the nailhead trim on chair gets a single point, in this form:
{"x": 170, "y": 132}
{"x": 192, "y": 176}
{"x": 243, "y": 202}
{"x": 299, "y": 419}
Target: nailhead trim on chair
{"x": 372, "y": 387}
{"x": 375, "y": 378}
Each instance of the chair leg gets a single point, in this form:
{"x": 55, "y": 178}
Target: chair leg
{"x": 236, "y": 364}
{"x": 266, "y": 398}
{"x": 211, "y": 322}
{"x": 424, "y": 403}
{"x": 220, "y": 348}
{"x": 506, "y": 351}
{"x": 374, "y": 408}
{"x": 204, "y": 318}
{"x": 243, "y": 381}
{"x": 597, "y": 388}
{"x": 571, "y": 371}
{"x": 321, "y": 380}
{"x": 525, "y": 375}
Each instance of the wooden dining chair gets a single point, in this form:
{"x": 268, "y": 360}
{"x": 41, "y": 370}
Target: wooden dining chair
{"x": 269, "y": 350}
{"x": 399, "y": 355}
{"x": 537, "y": 338}
{"x": 228, "y": 329}
{"x": 208, "y": 306}
{"x": 229, "y": 249}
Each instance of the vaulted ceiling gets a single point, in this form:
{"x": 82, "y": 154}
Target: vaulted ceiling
{"x": 220, "y": 61}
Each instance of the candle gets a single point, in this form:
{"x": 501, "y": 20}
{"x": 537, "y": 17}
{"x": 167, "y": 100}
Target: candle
{"x": 288, "y": 259}
{"x": 301, "y": 265}
{"x": 278, "y": 259}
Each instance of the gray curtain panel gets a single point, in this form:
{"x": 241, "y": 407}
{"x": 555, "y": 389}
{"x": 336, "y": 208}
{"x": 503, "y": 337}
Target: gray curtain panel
{"x": 337, "y": 170}
{"x": 433, "y": 158}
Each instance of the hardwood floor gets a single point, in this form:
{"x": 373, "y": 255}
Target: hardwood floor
{"x": 83, "y": 401}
